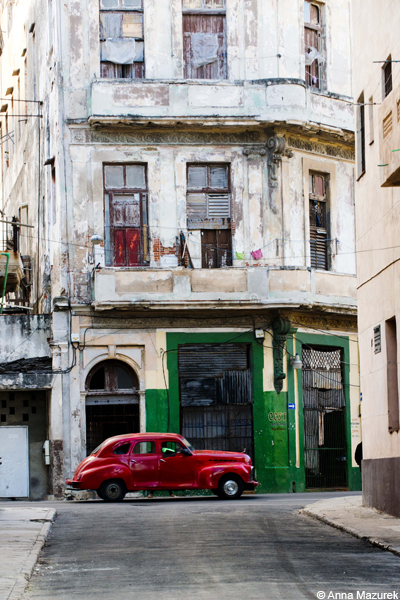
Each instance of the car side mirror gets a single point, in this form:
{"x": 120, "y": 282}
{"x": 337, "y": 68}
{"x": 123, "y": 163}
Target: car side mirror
{"x": 186, "y": 452}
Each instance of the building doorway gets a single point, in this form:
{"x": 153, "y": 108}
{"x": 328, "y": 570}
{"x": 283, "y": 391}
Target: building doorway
{"x": 112, "y": 402}
{"x": 325, "y": 452}
{"x": 216, "y": 397}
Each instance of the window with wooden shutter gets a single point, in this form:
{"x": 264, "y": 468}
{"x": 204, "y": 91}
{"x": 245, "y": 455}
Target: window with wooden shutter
{"x": 121, "y": 39}
{"x": 209, "y": 211}
{"x": 125, "y": 211}
{"x": 318, "y": 221}
{"x": 360, "y": 136}
{"x": 204, "y": 39}
{"x": 387, "y": 77}
{"x": 314, "y": 55}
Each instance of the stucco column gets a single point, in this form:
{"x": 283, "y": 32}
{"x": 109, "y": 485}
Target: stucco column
{"x": 142, "y": 410}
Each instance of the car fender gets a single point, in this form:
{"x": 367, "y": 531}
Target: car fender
{"x": 209, "y": 476}
{"x": 93, "y": 478}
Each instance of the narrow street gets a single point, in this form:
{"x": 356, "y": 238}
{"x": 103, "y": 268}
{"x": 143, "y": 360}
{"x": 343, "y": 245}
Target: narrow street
{"x": 202, "y": 548}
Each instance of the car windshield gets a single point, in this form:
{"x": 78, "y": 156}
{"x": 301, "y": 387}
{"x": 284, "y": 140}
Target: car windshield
{"x": 188, "y": 444}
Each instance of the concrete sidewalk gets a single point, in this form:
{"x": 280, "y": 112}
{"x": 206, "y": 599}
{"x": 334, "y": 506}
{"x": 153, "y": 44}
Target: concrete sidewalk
{"x": 23, "y": 532}
{"x": 348, "y": 514}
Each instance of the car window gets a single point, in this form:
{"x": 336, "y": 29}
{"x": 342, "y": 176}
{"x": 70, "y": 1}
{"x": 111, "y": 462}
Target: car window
{"x": 145, "y": 448}
{"x": 124, "y": 449}
{"x": 171, "y": 449}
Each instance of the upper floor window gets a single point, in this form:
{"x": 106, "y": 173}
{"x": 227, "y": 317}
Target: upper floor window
{"x": 125, "y": 212}
{"x": 204, "y": 39}
{"x": 360, "y": 122}
{"x": 314, "y": 56}
{"x": 387, "y": 77}
{"x": 209, "y": 212}
{"x": 121, "y": 39}
{"x": 319, "y": 214}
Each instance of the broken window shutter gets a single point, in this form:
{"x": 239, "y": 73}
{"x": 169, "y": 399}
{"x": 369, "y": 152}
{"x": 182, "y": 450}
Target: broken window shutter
{"x": 219, "y": 206}
{"x": 224, "y": 246}
{"x": 219, "y": 177}
{"x": 110, "y": 25}
{"x": 318, "y": 249}
{"x": 196, "y": 206}
{"x": 197, "y": 177}
{"x": 132, "y": 25}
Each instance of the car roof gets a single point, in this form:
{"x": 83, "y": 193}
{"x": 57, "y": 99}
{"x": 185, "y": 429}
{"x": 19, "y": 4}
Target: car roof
{"x": 128, "y": 437}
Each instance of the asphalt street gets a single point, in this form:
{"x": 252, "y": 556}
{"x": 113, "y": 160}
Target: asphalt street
{"x": 257, "y": 547}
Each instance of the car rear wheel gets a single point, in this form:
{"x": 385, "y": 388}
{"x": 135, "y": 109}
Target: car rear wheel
{"x": 112, "y": 491}
{"x": 230, "y": 487}
{"x": 98, "y": 492}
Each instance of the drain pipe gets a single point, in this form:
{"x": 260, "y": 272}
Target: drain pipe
{"x": 7, "y": 255}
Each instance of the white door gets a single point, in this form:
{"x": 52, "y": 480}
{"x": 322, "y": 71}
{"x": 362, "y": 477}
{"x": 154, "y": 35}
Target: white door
{"x": 14, "y": 462}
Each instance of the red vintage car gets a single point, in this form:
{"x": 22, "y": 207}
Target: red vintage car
{"x": 161, "y": 461}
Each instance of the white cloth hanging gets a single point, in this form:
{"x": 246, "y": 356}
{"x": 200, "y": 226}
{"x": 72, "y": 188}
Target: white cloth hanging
{"x": 204, "y": 48}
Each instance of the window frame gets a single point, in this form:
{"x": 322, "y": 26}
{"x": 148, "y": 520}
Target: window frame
{"x": 204, "y": 72}
{"x": 215, "y": 227}
{"x": 387, "y": 79}
{"x": 144, "y": 254}
{"x": 319, "y": 230}
{"x": 138, "y": 68}
{"x": 320, "y": 30}
{"x": 360, "y": 137}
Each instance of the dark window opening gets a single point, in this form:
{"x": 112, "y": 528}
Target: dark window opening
{"x": 324, "y": 414}
{"x": 145, "y": 448}
{"x": 392, "y": 377}
{"x": 124, "y": 380}
{"x": 110, "y": 376}
{"x": 215, "y": 386}
{"x": 314, "y": 56}
{"x": 121, "y": 39}
{"x": 125, "y": 208}
{"x": 34, "y": 410}
{"x": 319, "y": 221}
{"x": 208, "y": 206}
{"x": 4, "y": 404}
{"x": 124, "y": 449}
{"x": 3, "y": 418}
{"x": 387, "y": 77}
{"x": 204, "y": 39}
{"x": 12, "y": 410}
{"x": 25, "y": 417}
{"x": 107, "y": 420}
{"x": 97, "y": 382}
{"x": 360, "y": 136}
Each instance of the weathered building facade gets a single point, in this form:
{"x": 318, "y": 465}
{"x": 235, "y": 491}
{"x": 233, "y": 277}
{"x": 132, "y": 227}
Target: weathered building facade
{"x": 377, "y": 200}
{"x": 209, "y": 147}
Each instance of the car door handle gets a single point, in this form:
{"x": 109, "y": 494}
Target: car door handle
{"x": 133, "y": 461}
{"x": 162, "y": 460}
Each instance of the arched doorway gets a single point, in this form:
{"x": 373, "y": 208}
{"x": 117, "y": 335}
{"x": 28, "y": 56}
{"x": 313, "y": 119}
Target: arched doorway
{"x": 112, "y": 402}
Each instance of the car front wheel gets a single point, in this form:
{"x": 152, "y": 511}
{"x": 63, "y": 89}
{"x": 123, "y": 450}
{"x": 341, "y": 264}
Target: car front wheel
{"x": 112, "y": 491}
{"x": 230, "y": 487}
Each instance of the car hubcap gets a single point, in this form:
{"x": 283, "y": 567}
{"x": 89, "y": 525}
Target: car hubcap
{"x": 231, "y": 487}
{"x": 113, "y": 490}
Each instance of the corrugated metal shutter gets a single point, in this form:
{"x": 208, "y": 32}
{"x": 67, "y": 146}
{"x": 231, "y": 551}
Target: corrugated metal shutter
{"x": 209, "y": 360}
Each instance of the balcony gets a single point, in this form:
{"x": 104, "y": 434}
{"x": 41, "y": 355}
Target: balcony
{"x": 228, "y": 288}
{"x": 15, "y": 271}
{"x": 389, "y": 139}
{"x": 265, "y": 101}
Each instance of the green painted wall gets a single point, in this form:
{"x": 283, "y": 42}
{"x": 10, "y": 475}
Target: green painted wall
{"x": 274, "y": 422}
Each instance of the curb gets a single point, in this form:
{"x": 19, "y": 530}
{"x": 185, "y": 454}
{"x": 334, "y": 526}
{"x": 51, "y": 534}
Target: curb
{"x": 27, "y": 568}
{"x": 351, "y": 531}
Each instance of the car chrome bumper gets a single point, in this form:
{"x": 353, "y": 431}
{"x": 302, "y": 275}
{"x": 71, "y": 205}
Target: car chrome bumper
{"x": 75, "y": 485}
{"x": 250, "y": 486}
